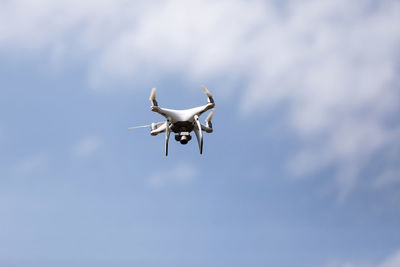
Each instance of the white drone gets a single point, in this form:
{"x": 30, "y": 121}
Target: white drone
{"x": 181, "y": 122}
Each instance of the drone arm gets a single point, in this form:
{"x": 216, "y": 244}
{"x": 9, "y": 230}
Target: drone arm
{"x": 154, "y": 104}
{"x": 159, "y": 110}
{"x": 159, "y": 130}
{"x": 205, "y": 108}
{"x": 209, "y": 105}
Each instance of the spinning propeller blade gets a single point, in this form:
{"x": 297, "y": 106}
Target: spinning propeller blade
{"x": 158, "y": 124}
{"x": 136, "y": 127}
{"x": 209, "y": 117}
{"x": 153, "y": 94}
{"x": 206, "y": 91}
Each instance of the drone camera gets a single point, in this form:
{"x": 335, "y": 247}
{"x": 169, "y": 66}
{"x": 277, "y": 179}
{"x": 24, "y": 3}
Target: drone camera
{"x": 183, "y": 137}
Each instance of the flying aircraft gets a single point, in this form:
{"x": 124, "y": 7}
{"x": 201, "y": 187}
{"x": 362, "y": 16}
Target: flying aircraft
{"x": 181, "y": 122}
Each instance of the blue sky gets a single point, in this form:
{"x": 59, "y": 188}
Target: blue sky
{"x": 301, "y": 170}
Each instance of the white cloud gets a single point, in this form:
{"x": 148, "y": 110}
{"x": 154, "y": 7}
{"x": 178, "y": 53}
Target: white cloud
{"x": 389, "y": 177}
{"x": 391, "y": 261}
{"x": 87, "y": 146}
{"x": 334, "y": 63}
{"x": 182, "y": 173}
{"x": 30, "y": 164}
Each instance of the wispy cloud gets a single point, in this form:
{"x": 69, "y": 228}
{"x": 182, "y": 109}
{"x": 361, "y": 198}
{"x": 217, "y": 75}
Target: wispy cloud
{"x": 391, "y": 261}
{"x": 389, "y": 177}
{"x": 30, "y": 165}
{"x": 182, "y": 173}
{"x": 334, "y": 63}
{"x": 87, "y": 146}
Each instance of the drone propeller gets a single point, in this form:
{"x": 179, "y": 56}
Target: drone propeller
{"x": 136, "y": 127}
{"x": 158, "y": 124}
{"x": 206, "y": 91}
{"x": 210, "y": 116}
{"x": 209, "y": 95}
{"x": 153, "y": 94}
{"x": 153, "y": 97}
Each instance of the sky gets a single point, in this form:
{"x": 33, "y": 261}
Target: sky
{"x": 302, "y": 168}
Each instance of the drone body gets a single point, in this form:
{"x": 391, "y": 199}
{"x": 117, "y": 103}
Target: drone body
{"x": 181, "y": 122}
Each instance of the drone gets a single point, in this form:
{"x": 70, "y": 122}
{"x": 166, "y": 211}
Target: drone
{"x": 181, "y": 122}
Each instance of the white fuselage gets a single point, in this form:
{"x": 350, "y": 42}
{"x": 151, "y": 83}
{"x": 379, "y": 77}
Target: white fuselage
{"x": 182, "y": 115}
